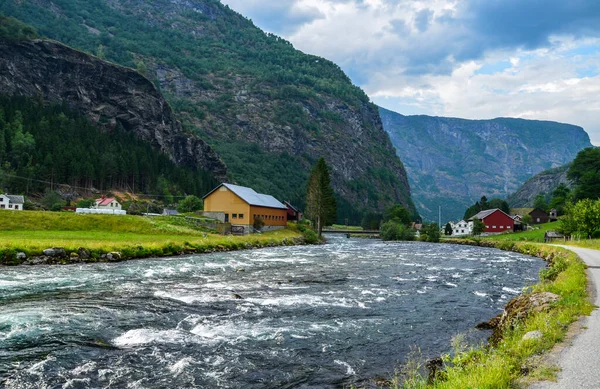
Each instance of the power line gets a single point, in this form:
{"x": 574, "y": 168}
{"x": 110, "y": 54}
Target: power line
{"x": 78, "y": 187}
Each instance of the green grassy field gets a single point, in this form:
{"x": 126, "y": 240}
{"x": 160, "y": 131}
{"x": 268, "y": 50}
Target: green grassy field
{"x": 133, "y": 236}
{"x": 525, "y": 236}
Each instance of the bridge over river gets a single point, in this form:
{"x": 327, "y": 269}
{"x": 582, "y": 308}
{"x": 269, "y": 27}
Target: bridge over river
{"x": 351, "y": 232}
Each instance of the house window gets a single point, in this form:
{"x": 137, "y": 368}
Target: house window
{"x": 538, "y": 219}
{"x": 487, "y": 226}
{"x": 501, "y": 227}
{"x": 234, "y": 215}
{"x": 2, "y": 206}
{"x": 241, "y": 215}
{"x": 16, "y": 207}
{"x": 493, "y": 226}
{"x": 9, "y": 205}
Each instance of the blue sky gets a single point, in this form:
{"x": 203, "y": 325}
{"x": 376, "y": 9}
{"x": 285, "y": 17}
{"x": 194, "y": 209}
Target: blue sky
{"x": 535, "y": 59}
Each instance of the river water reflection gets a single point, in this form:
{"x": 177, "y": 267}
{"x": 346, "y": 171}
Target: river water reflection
{"x": 308, "y": 317}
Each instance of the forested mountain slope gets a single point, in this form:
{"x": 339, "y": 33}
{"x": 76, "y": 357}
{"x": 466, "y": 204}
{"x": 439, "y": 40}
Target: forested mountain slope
{"x": 69, "y": 118}
{"x": 269, "y": 110}
{"x": 453, "y": 162}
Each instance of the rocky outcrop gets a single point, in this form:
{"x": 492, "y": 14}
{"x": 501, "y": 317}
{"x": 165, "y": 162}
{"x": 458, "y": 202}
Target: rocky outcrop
{"x": 453, "y": 162}
{"x": 517, "y": 310}
{"x": 544, "y": 183}
{"x": 108, "y": 94}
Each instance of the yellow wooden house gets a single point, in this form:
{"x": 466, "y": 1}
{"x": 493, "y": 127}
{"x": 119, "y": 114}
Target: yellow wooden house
{"x": 241, "y": 205}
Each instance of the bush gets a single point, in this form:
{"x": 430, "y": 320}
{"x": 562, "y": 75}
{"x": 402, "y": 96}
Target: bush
{"x": 85, "y": 203}
{"x": 190, "y": 204}
{"x": 393, "y": 230}
{"x": 310, "y": 236}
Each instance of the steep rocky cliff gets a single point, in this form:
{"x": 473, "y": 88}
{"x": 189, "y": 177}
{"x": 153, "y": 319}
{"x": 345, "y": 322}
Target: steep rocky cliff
{"x": 453, "y": 162}
{"x": 544, "y": 182}
{"x": 269, "y": 110}
{"x": 108, "y": 94}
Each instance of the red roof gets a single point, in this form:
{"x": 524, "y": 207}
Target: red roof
{"x": 105, "y": 201}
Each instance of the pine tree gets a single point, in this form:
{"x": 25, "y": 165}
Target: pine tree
{"x": 321, "y": 205}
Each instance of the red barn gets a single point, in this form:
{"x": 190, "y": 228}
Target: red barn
{"x": 495, "y": 221}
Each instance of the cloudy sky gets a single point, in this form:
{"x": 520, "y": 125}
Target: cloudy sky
{"x": 534, "y": 59}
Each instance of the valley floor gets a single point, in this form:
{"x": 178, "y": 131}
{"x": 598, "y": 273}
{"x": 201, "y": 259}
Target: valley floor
{"x": 132, "y": 237}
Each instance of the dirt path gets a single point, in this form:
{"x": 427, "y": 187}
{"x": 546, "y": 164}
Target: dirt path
{"x": 580, "y": 361}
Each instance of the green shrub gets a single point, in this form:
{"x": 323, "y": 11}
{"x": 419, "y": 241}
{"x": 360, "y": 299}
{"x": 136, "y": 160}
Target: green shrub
{"x": 310, "y": 236}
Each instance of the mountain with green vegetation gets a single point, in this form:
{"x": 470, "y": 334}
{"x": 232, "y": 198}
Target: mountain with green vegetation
{"x": 269, "y": 110}
{"x": 453, "y": 162}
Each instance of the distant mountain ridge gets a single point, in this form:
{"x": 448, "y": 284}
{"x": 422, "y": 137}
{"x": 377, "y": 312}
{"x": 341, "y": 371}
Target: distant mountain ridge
{"x": 267, "y": 109}
{"x": 452, "y": 162}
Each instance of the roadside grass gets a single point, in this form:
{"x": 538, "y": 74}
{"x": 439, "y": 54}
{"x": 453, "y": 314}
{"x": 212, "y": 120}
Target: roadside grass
{"x": 133, "y": 236}
{"x": 513, "y": 357}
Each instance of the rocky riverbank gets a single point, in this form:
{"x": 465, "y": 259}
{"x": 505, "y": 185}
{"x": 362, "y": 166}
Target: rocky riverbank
{"x": 66, "y": 256}
{"x": 529, "y": 326}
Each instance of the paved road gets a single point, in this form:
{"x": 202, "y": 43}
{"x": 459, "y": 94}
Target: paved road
{"x": 580, "y": 362}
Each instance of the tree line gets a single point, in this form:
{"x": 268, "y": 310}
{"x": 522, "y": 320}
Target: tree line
{"x": 42, "y": 146}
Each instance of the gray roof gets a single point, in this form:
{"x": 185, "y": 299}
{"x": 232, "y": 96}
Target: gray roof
{"x": 16, "y": 199}
{"x": 250, "y": 196}
{"x": 483, "y": 214}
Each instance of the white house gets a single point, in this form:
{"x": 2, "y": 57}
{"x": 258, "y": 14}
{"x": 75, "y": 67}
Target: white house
{"x": 461, "y": 228}
{"x": 10, "y": 202}
{"x": 108, "y": 203}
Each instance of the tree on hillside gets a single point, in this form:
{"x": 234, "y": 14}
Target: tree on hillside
{"x": 478, "y": 227}
{"x": 448, "y": 229}
{"x": 560, "y": 196}
{"x": 540, "y": 202}
{"x": 527, "y": 219}
{"x": 484, "y": 204}
{"x": 320, "y": 200}
{"x": 398, "y": 214}
{"x": 585, "y": 174}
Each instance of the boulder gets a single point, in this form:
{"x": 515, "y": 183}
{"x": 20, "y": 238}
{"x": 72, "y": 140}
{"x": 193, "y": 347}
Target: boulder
{"x": 114, "y": 256}
{"x": 519, "y": 308}
{"x": 21, "y": 256}
{"x": 55, "y": 252}
{"x": 84, "y": 253}
{"x": 533, "y": 335}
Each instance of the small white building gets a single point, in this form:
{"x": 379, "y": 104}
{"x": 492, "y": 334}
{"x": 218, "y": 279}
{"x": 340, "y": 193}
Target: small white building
{"x": 108, "y": 203}
{"x": 12, "y": 203}
{"x": 461, "y": 228}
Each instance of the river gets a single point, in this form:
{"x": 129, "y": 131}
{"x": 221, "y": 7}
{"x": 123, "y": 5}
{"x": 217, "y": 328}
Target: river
{"x": 286, "y": 317}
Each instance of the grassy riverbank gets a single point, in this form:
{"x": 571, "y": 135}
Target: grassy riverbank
{"x": 514, "y": 360}
{"x": 132, "y": 236}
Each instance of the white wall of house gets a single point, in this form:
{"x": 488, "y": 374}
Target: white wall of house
{"x": 114, "y": 205}
{"x": 6, "y": 204}
{"x": 461, "y": 228}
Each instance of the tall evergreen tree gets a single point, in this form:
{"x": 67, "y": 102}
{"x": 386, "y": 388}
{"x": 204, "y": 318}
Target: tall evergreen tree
{"x": 320, "y": 201}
